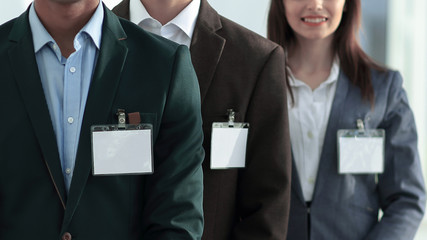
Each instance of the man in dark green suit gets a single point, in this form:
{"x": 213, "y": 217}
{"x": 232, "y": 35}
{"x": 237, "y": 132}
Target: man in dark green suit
{"x": 47, "y": 191}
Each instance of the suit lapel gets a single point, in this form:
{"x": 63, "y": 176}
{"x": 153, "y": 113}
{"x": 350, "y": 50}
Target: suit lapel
{"x": 206, "y": 46}
{"x": 329, "y": 150}
{"x": 122, "y": 9}
{"x": 25, "y": 70}
{"x": 103, "y": 88}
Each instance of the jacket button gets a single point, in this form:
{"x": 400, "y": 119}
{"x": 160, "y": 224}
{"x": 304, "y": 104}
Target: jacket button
{"x": 66, "y": 236}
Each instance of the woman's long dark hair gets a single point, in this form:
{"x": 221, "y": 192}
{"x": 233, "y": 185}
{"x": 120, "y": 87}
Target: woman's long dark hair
{"x": 354, "y": 62}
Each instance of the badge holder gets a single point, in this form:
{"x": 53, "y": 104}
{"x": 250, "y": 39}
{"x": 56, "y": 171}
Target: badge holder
{"x": 122, "y": 148}
{"x": 361, "y": 151}
{"x": 228, "y": 143}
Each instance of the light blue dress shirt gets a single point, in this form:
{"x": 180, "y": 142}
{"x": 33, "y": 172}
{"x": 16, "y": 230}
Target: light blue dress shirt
{"x": 66, "y": 82}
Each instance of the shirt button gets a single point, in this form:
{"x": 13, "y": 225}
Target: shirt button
{"x": 67, "y": 171}
{"x": 311, "y": 180}
{"x": 310, "y": 134}
{"x": 70, "y": 120}
{"x": 73, "y": 69}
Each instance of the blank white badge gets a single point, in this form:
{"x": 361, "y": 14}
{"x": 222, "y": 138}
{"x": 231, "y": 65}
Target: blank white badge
{"x": 122, "y": 152}
{"x": 361, "y": 155}
{"x": 228, "y": 147}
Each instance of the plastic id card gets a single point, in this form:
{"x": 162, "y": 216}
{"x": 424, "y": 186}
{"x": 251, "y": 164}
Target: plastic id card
{"x": 228, "y": 145}
{"x": 122, "y": 150}
{"x": 361, "y": 151}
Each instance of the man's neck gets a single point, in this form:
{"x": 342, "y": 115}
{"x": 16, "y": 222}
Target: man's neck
{"x": 164, "y": 10}
{"x": 64, "y": 20}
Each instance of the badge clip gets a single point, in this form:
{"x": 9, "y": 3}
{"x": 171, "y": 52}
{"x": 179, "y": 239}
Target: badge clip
{"x": 360, "y": 125}
{"x": 121, "y": 118}
{"x": 231, "y": 116}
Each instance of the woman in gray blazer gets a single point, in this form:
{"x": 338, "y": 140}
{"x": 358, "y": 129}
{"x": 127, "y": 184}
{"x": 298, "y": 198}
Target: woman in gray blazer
{"x": 353, "y": 135}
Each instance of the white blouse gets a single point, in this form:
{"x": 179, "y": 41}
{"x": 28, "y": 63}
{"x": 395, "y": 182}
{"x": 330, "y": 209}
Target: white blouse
{"x": 308, "y": 119}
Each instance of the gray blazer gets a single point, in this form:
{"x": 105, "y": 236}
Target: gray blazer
{"x": 346, "y": 206}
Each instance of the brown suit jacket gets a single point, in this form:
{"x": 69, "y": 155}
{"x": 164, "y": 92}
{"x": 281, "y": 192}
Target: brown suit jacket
{"x": 241, "y": 70}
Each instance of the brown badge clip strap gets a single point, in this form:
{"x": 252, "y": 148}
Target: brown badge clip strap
{"x": 134, "y": 118}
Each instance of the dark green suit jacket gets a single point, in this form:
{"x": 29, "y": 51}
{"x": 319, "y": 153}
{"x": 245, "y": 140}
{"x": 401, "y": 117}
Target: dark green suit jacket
{"x": 135, "y": 71}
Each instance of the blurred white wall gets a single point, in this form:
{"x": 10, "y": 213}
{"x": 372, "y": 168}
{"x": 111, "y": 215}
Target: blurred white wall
{"x": 12, "y": 8}
{"x": 250, "y": 13}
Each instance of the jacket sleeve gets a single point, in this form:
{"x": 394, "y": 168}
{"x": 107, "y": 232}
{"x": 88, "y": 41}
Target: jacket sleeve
{"x": 401, "y": 186}
{"x": 173, "y": 208}
{"x": 264, "y": 185}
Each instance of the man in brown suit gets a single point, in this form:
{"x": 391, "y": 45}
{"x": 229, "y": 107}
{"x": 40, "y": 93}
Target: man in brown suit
{"x": 240, "y": 70}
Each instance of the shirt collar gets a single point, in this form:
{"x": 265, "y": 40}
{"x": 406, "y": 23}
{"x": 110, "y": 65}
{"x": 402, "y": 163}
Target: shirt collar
{"x": 185, "y": 20}
{"x": 41, "y": 36}
{"x": 94, "y": 27}
{"x": 333, "y": 75}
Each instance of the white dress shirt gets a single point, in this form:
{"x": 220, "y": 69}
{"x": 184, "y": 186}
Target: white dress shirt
{"x": 180, "y": 29}
{"x": 308, "y": 119}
